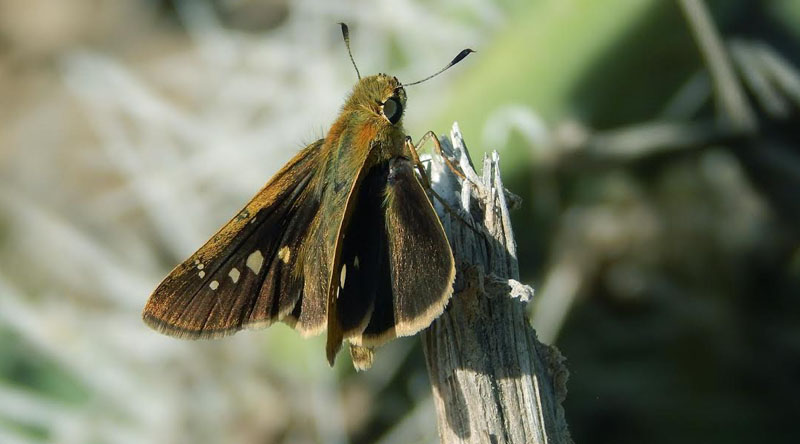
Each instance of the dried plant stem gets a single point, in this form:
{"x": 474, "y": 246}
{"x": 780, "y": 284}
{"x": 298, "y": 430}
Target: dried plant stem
{"x": 493, "y": 381}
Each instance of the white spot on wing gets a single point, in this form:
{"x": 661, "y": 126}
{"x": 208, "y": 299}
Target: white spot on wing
{"x": 202, "y": 274}
{"x": 213, "y": 285}
{"x": 284, "y": 254}
{"x": 355, "y": 263}
{"x": 254, "y": 261}
{"x": 200, "y": 266}
{"x": 343, "y": 275}
{"x": 234, "y": 275}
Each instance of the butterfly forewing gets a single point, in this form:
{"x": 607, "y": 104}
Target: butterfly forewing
{"x": 244, "y": 275}
{"x": 364, "y": 264}
{"x": 341, "y": 202}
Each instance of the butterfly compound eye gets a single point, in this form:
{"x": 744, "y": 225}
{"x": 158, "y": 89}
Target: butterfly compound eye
{"x": 392, "y": 110}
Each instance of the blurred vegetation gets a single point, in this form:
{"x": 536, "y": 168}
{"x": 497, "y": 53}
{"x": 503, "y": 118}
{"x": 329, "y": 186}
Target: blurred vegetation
{"x": 684, "y": 326}
{"x": 663, "y": 245}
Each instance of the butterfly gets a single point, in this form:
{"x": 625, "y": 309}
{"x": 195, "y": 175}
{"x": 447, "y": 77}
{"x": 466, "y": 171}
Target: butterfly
{"x": 343, "y": 238}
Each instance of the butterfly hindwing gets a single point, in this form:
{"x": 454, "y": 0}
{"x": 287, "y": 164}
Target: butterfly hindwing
{"x": 406, "y": 280}
{"x": 244, "y": 276}
{"x": 418, "y": 248}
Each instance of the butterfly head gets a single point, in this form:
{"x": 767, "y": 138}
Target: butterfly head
{"x": 382, "y": 95}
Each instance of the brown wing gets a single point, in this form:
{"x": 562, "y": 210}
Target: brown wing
{"x": 364, "y": 264}
{"x": 345, "y": 170}
{"x": 248, "y": 274}
{"x": 405, "y": 269}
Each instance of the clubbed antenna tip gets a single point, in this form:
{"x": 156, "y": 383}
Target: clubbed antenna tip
{"x": 461, "y": 55}
{"x": 346, "y": 35}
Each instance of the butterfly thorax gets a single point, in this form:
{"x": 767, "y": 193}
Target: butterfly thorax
{"x": 371, "y": 121}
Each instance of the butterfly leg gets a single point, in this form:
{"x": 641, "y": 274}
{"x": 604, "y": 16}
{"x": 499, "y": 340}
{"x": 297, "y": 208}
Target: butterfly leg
{"x": 430, "y": 135}
{"x": 412, "y": 150}
{"x": 426, "y": 183}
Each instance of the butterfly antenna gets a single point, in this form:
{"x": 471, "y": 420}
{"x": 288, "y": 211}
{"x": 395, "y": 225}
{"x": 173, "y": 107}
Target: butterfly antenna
{"x": 346, "y": 35}
{"x": 455, "y": 60}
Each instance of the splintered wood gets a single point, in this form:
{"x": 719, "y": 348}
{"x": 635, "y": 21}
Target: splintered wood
{"x": 493, "y": 381}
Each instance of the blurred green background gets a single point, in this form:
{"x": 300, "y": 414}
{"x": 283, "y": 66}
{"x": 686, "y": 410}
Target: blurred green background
{"x": 657, "y": 151}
